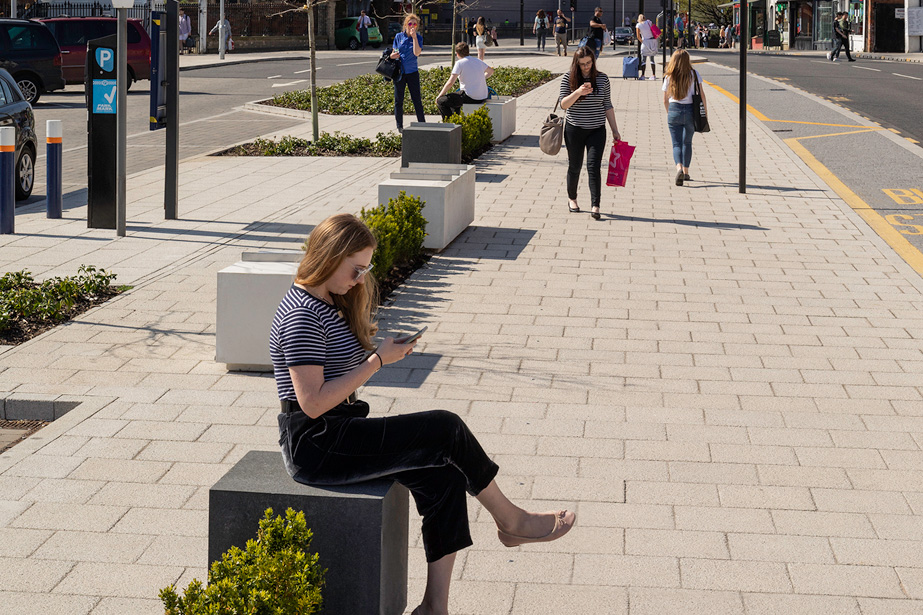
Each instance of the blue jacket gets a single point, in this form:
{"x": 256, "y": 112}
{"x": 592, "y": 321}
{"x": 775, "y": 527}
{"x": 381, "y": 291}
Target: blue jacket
{"x": 403, "y": 44}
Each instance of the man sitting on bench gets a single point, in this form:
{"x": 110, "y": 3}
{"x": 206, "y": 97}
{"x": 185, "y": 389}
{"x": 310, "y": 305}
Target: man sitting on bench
{"x": 472, "y": 73}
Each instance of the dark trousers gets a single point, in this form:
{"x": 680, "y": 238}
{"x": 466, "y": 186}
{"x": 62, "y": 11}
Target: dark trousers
{"x": 363, "y": 37}
{"x": 412, "y": 82}
{"x": 451, "y": 103}
{"x": 593, "y": 140}
{"x": 433, "y": 454}
{"x": 840, "y": 44}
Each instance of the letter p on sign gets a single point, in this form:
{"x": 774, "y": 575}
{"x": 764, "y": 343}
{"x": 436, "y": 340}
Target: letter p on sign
{"x": 104, "y": 59}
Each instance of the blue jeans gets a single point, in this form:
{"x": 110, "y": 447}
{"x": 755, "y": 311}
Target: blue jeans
{"x": 410, "y": 81}
{"x": 679, "y": 121}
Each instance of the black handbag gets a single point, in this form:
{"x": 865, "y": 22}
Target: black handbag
{"x": 699, "y": 117}
{"x": 389, "y": 68}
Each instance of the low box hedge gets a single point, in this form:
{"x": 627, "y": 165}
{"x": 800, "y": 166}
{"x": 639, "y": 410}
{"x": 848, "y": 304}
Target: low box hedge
{"x": 336, "y": 144}
{"x": 371, "y": 95}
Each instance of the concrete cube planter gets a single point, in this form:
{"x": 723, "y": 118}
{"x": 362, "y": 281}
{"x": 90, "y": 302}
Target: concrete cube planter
{"x": 502, "y": 115}
{"x": 447, "y": 189}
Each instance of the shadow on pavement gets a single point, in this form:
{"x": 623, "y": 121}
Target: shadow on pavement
{"x": 698, "y": 223}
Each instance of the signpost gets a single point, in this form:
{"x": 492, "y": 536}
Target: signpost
{"x": 102, "y": 107}
{"x": 165, "y": 97}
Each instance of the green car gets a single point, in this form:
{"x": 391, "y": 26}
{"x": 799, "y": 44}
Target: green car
{"x": 347, "y": 35}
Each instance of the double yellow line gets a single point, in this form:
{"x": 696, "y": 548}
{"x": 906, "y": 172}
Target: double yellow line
{"x": 876, "y": 221}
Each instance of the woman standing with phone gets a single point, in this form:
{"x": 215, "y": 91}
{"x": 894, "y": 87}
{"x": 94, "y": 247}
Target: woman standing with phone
{"x": 585, "y": 94}
{"x": 319, "y": 343}
{"x": 679, "y": 82}
{"x": 408, "y": 45}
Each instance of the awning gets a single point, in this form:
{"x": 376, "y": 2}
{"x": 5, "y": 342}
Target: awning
{"x": 737, "y": 4}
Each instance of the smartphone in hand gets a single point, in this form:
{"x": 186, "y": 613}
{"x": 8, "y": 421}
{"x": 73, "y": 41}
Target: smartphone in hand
{"x": 412, "y": 338}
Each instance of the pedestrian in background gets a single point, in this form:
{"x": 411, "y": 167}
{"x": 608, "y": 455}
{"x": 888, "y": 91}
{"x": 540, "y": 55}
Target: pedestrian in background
{"x": 597, "y": 31}
{"x": 185, "y": 29}
{"x": 648, "y": 46}
{"x": 408, "y": 45}
{"x": 585, "y": 95}
{"x": 480, "y": 37}
{"x": 472, "y": 75}
{"x": 322, "y": 350}
{"x": 560, "y": 32}
{"x": 841, "y": 29}
{"x": 362, "y": 26}
{"x": 540, "y": 30}
{"x": 227, "y": 32}
{"x": 678, "y": 86}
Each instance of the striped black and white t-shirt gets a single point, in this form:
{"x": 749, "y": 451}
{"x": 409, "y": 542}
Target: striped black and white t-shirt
{"x": 590, "y": 110}
{"x": 307, "y": 331}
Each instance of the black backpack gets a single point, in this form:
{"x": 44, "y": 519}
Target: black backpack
{"x": 541, "y": 23}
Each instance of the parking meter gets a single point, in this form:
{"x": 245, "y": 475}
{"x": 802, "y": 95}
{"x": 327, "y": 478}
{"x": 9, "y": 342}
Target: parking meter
{"x": 101, "y": 100}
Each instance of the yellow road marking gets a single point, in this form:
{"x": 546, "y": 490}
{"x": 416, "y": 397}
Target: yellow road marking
{"x": 837, "y": 134}
{"x": 816, "y": 123}
{"x": 892, "y": 237}
{"x": 911, "y": 140}
{"x": 756, "y": 113}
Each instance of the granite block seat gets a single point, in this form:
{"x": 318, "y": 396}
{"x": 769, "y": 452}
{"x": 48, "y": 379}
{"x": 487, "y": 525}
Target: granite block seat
{"x": 360, "y": 531}
{"x": 502, "y": 114}
{"x": 431, "y": 142}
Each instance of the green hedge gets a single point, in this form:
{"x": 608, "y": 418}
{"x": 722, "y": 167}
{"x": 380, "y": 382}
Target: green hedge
{"x": 273, "y": 576}
{"x": 371, "y": 95}
{"x": 399, "y": 228}
{"x": 25, "y": 301}
{"x": 336, "y": 144}
{"x": 477, "y": 130}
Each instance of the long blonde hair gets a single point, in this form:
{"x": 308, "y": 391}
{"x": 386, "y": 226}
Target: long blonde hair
{"x": 481, "y": 27}
{"x": 329, "y": 244}
{"x": 679, "y": 70}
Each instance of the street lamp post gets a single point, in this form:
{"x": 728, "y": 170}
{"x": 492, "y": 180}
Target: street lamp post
{"x": 221, "y": 33}
{"x": 744, "y": 42}
{"x": 522, "y": 23}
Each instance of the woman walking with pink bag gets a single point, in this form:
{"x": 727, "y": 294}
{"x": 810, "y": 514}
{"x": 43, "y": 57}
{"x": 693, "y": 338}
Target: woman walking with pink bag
{"x": 585, "y": 95}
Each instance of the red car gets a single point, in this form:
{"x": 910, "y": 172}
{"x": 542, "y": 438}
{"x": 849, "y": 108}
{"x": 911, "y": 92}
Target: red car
{"x": 72, "y": 34}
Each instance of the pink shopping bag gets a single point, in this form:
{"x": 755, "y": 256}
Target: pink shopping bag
{"x": 619, "y": 159}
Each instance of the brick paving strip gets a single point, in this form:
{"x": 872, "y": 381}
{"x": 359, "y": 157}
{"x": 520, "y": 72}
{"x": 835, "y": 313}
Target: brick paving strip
{"x": 726, "y": 387}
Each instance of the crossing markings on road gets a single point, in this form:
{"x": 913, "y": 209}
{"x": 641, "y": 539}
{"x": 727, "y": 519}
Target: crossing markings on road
{"x": 274, "y": 77}
{"x": 307, "y": 70}
{"x": 282, "y": 85}
{"x": 877, "y": 70}
{"x": 883, "y": 227}
{"x": 879, "y": 224}
{"x": 907, "y": 76}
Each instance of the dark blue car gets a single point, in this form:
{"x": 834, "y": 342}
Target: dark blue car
{"x": 16, "y": 112}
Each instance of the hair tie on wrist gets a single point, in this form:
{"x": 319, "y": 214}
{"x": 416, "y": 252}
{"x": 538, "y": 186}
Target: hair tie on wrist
{"x": 381, "y": 363}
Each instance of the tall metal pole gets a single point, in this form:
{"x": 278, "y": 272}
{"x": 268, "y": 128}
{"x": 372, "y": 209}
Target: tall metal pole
{"x": 689, "y": 27}
{"x": 221, "y": 33}
{"x": 13, "y": 9}
{"x": 171, "y": 72}
{"x": 203, "y": 26}
{"x": 121, "y": 131}
{"x": 744, "y": 40}
{"x": 666, "y": 37}
{"x": 522, "y": 23}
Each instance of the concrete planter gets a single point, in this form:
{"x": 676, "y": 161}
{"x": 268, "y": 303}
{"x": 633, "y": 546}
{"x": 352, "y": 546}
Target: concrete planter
{"x": 249, "y": 293}
{"x": 447, "y": 189}
{"x": 502, "y": 115}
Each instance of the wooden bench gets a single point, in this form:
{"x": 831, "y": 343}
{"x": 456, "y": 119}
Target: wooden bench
{"x": 360, "y": 531}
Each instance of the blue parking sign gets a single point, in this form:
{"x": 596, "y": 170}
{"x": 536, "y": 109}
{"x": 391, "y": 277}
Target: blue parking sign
{"x": 104, "y": 95}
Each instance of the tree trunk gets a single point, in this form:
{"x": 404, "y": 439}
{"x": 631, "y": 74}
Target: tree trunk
{"x": 312, "y": 43}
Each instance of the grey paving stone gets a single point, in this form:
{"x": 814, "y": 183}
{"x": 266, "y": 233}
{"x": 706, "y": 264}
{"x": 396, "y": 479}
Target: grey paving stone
{"x": 649, "y": 601}
{"x": 21, "y": 603}
{"x": 117, "y": 580}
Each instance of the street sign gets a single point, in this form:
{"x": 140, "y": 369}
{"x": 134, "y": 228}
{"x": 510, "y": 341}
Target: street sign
{"x": 105, "y": 95}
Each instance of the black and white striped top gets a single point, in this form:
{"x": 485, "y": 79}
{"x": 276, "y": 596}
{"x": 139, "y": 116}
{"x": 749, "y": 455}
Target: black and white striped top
{"x": 307, "y": 331}
{"x": 589, "y": 111}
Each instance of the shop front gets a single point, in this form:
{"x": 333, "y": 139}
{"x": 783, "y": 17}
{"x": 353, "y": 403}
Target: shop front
{"x": 805, "y": 24}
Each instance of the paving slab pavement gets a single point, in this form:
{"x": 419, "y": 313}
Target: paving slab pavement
{"x": 725, "y": 387}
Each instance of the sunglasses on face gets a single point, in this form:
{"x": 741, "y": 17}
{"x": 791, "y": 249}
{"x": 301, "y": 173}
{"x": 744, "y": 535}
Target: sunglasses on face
{"x": 361, "y": 271}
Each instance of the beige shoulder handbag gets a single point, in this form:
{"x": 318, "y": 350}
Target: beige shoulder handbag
{"x": 552, "y": 134}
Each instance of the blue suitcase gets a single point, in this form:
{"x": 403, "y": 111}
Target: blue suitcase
{"x": 630, "y": 67}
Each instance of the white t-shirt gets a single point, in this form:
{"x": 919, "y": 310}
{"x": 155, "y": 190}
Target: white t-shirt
{"x": 645, "y": 28}
{"x": 470, "y": 71}
{"x": 688, "y": 98}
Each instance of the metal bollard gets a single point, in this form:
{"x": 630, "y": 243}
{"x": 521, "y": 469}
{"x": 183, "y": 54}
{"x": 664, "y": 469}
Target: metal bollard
{"x": 7, "y": 181}
{"x": 54, "y": 147}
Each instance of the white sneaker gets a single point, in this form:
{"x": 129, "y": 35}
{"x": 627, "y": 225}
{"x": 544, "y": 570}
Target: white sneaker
{"x": 835, "y": 59}
{"x": 829, "y": 55}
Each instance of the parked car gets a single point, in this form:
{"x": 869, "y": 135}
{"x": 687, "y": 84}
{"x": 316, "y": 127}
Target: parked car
{"x": 72, "y": 34}
{"x": 31, "y": 55}
{"x": 346, "y": 34}
{"x": 15, "y": 111}
{"x": 623, "y": 36}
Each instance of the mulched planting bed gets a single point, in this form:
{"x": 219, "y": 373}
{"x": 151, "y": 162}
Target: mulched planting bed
{"x": 23, "y": 330}
{"x": 399, "y": 275}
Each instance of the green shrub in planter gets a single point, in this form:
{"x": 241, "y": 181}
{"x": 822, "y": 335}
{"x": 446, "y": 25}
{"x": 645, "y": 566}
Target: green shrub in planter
{"x": 477, "y": 130}
{"x": 274, "y": 575}
{"x": 400, "y": 228}
{"x": 371, "y": 95}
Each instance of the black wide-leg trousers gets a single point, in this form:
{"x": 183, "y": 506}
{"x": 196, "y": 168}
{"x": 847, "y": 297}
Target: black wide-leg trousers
{"x": 433, "y": 454}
